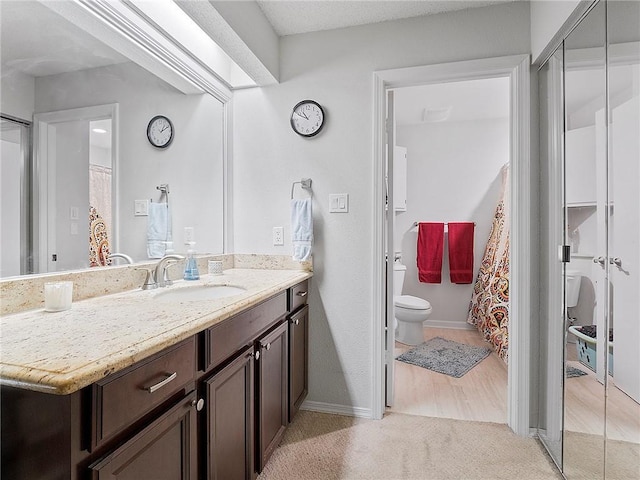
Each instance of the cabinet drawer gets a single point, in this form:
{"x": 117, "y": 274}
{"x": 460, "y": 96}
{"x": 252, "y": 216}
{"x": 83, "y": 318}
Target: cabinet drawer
{"x": 298, "y": 295}
{"x": 223, "y": 340}
{"x": 122, "y": 398}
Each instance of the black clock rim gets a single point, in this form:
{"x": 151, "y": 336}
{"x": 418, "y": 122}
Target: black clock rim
{"x": 302, "y": 102}
{"x": 149, "y": 128}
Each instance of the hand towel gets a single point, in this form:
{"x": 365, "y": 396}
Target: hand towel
{"x": 429, "y": 252}
{"x": 461, "y": 251}
{"x": 301, "y": 228}
{"x": 158, "y": 225}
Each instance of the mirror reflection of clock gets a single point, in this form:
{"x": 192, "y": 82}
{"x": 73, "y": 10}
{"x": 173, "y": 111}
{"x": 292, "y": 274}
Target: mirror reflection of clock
{"x": 160, "y": 131}
{"x": 307, "y": 118}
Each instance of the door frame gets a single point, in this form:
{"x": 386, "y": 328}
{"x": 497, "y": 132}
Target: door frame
{"x": 516, "y": 67}
{"x": 44, "y": 167}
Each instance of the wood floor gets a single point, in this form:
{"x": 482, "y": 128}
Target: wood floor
{"x": 585, "y": 407}
{"x": 480, "y": 394}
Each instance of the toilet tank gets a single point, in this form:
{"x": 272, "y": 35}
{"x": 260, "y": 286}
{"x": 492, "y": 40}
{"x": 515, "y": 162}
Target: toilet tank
{"x": 574, "y": 278}
{"x": 398, "y": 278}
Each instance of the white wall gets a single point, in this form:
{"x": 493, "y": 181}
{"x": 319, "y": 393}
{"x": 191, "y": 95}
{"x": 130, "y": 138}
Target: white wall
{"x": 192, "y": 165}
{"x": 336, "y": 69}
{"x": 453, "y": 174}
{"x": 10, "y": 166}
{"x": 546, "y": 19}
{"x": 17, "y": 95}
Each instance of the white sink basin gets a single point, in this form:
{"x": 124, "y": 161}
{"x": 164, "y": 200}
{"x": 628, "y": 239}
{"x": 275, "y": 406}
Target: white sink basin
{"x": 199, "y": 293}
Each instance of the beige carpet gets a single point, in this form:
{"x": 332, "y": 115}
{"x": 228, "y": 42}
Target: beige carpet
{"x": 584, "y": 457}
{"x": 323, "y": 447}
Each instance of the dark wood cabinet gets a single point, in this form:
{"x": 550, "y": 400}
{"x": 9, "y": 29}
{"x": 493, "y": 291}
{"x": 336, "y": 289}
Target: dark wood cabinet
{"x": 298, "y": 359}
{"x": 164, "y": 450}
{"x": 272, "y": 389}
{"x": 229, "y": 420}
{"x": 213, "y": 406}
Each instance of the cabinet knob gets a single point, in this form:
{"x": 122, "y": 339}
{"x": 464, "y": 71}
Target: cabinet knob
{"x": 617, "y": 261}
{"x": 599, "y": 260}
{"x": 199, "y": 404}
{"x": 255, "y": 355}
{"x": 268, "y": 346}
{"x": 301, "y": 294}
{"x": 296, "y": 321}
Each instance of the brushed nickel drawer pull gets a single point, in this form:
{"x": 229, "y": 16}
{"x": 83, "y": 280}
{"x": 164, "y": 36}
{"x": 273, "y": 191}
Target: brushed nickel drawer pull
{"x": 268, "y": 346}
{"x": 296, "y": 321}
{"x": 301, "y": 294}
{"x": 161, "y": 384}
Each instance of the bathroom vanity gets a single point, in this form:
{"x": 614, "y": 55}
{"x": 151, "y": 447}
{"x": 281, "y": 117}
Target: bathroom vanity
{"x": 166, "y": 390}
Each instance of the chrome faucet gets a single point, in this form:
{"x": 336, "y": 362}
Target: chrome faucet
{"x": 124, "y": 256}
{"x": 160, "y": 275}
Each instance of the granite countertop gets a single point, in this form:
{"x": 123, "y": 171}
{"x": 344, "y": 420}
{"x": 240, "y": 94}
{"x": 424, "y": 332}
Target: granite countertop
{"x": 62, "y": 352}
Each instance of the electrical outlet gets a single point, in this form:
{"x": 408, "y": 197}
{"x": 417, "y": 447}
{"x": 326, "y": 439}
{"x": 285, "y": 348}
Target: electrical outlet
{"x": 278, "y": 235}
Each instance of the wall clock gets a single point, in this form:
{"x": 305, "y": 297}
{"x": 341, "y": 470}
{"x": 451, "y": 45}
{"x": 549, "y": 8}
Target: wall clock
{"x": 307, "y": 118}
{"x": 160, "y": 131}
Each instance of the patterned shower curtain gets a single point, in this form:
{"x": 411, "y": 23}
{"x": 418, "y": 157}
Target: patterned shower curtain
{"x": 489, "y": 307}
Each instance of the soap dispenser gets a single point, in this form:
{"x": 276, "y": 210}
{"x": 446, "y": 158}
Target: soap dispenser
{"x": 191, "y": 265}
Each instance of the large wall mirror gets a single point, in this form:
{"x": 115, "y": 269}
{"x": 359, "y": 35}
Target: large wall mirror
{"x": 590, "y": 156}
{"x": 84, "y": 175}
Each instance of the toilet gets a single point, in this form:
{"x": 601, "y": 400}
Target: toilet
{"x": 410, "y": 311}
{"x": 574, "y": 279}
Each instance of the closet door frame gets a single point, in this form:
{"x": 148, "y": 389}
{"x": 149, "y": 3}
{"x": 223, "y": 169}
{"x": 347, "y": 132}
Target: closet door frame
{"x": 523, "y": 196}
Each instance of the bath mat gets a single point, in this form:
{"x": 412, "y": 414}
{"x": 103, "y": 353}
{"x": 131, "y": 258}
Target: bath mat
{"x": 573, "y": 372}
{"x": 445, "y": 356}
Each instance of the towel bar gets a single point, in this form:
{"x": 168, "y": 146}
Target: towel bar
{"x": 305, "y": 183}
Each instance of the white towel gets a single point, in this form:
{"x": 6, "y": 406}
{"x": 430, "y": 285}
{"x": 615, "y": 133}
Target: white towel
{"x": 301, "y": 229}
{"x": 158, "y": 229}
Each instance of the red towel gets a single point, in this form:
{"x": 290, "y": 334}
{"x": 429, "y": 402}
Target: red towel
{"x": 461, "y": 251}
{"x": 429, "y": 252}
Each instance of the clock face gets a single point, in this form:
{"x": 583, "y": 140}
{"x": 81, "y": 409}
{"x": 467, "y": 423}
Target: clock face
{"x": 307, "y": 118}
{"x": 160, "y": 131}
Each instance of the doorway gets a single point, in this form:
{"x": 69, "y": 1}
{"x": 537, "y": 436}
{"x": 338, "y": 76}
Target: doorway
{"x": 451, "y": 164}
{"x": 516, "y": 69}
{"x": 76, "y": 148}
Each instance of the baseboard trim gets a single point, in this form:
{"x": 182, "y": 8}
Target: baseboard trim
{"x": 336, "y": 409}
{"x": 446, "y": 324}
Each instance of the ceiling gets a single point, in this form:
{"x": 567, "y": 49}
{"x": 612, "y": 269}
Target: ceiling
{"x": 289, "y": 17}
{"x": 38, "y": 42}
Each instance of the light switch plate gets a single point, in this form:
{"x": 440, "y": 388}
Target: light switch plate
{"x": 141, "y": 208}
{"x": 338, "y": 203}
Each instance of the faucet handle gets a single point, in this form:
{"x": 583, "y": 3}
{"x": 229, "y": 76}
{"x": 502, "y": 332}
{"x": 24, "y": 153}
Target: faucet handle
{"x": 165, "y": 272}
{"x": 149, "y": 281}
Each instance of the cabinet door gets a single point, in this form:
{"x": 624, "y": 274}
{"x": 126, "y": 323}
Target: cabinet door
{"x": 164, "y": 450}
{"x": 230, "y": 420}
{"x": 272, "y": 391}
{"x": 298, "y": 359}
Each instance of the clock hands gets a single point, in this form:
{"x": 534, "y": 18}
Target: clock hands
{"x": 303, "y": 115}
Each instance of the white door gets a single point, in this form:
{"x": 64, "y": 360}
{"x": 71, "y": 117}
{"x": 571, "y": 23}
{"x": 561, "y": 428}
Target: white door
{"x": 624, "y": 241}
{"x": 68, "y": 202}
{"x": 390, "y": 334}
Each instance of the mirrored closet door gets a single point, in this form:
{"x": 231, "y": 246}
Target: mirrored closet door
{"x": 589, "y": 402}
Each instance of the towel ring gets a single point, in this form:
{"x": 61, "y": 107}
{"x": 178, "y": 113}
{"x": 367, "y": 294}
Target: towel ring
{"x": 305, "y": 184}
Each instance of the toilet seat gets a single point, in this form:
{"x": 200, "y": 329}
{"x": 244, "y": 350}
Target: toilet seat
{"x": 411, "y": 302}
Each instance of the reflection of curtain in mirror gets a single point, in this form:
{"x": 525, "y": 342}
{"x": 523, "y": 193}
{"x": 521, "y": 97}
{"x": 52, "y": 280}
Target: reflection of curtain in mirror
{"x": 99, "y": 215}
{"x": 489, "y": 307}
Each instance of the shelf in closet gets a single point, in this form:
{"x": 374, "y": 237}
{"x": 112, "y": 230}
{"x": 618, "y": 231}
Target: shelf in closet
{"x": 582, "y": 205}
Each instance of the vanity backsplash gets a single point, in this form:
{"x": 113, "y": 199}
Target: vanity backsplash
{"x": 27, "y": 292}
